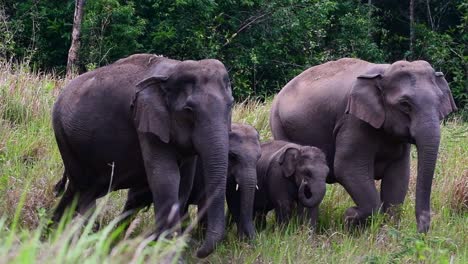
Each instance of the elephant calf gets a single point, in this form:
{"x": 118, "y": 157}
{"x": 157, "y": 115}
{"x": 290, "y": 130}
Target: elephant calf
{"x": 244, "y": 151}
{"x": 289, "y": 173}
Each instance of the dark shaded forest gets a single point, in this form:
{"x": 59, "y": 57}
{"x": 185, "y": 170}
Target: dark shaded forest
{"x": 262, "y": 43}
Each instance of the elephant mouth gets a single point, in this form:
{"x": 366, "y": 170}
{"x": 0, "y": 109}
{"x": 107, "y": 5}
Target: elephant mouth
{"x": 307, "y": 191}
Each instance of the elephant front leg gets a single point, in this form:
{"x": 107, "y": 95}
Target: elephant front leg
{"x": 163, "y": 175}
{"x": 188, "y": 169}
{"x": 233, "y": 203}
{"x": 308, "y": 214}
{"x": 394, "y": 184}
{"x": 260, "y": 220}
{"x": 137, "y": 198}
{"x": 283, "y": 211}
{"x": 355, "y": 172}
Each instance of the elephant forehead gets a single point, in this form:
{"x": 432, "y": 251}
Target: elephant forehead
{"x": 413, "y": 84}
{"x": 416, "y": 67}
{"x": 209, "y": 67}
{"x": 244, "y": 129}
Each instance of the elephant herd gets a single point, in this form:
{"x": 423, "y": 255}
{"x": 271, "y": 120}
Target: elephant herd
{"x": 162, "y": 129}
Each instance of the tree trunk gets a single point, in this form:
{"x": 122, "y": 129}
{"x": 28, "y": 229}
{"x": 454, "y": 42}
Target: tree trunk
{"x": 429, "y": 15}
{"x": 75, "y": 43}
{"x": 369, "y": 16}
{"x": 411, "y": 7}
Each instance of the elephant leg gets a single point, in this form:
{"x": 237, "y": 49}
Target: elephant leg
{"x": 260, "y": 220}
{"x": 137, "y": 198}
{"x": 283, "y": 211}
{"x": 394, "y": 185}
{"x": 163, "y": 174}
{"x": 309, "y": 215}
{"x": 65, "y": 202}
{"x": 87, "y": 206}
{"x": 233, "y": 204}
{"x": 302, "y": 212}
{"x": 365, "y": 195}
{"x": 355, "y": 172}
{"x": 188, "y": 169}
{"x": 61, "y": 184}
{"x": 202, "y": 218}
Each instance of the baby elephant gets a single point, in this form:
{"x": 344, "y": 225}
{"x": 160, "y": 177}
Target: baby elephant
{"x": 289, "y": 174}
{"x": 244, "y": 151}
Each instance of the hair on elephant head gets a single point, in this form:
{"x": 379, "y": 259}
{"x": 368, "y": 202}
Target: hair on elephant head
{"x": 406, "y": 100}
{"x": 306, "y": 166}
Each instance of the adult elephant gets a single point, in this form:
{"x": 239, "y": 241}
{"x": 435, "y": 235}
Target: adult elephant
{"x": 142, "y": 121}
{"x": 364, "y": 117}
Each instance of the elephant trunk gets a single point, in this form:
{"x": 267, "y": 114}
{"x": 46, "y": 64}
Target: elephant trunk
{"x": 311, "y": 193}
{"x": 427, "y": 138}
{"x": 247, "y": 194}
{"x": 214, "y": 156}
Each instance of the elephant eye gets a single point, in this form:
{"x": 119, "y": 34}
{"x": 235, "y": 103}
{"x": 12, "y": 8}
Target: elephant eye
{"x": 405, "y": 106}
{"x": 232, "y": 156}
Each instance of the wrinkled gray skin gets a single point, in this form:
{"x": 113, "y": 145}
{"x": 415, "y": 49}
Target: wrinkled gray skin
{"x": 289, "y": 174}
{"x": 364, "y": 116}
{"x": 244, "y": 151}
{"x": 149, "y": 117}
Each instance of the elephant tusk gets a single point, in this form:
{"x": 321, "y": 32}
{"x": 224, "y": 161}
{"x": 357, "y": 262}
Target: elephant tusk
{"x": 237, "y": 187}
{"x": 256, "y": 186}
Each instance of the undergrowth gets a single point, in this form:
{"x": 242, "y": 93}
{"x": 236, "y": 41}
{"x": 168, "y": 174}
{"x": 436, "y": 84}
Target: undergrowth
{"x": 30, "y": 165}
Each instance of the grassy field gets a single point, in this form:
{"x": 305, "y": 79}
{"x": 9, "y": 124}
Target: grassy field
{"x": 30, "y": 165}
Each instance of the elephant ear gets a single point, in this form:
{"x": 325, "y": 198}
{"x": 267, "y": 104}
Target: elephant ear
{"x": 287, "y": 158}
{"x": 447, "y": 103}
{"x": 150, "y": 109}
{"x": 366, "y": 101}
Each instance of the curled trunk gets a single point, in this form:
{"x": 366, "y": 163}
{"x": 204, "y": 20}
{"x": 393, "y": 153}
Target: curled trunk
{"x": 311, "y": 194}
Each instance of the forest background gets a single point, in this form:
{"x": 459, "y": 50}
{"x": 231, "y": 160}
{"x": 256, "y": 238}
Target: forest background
{"x": 263, "y": 43}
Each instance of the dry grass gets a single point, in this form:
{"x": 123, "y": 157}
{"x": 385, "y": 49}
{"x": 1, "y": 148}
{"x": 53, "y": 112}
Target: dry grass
{"x": 460, "y": 194}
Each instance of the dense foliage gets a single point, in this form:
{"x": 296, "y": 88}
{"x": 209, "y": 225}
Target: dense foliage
{"x": 263, "y": 43}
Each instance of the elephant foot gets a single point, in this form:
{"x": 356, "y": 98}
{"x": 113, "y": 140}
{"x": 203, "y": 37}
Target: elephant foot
{"x": 247, "y": 233}
{"x": 354, "y": 218}
{"x": 423, "y": 221}
{"x": 392, "y": 213}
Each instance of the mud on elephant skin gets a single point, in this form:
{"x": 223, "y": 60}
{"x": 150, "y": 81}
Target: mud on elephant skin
{"x": 364, "y": 116}
{"x": 141, "y": 122}
{"x": 244, "y": 151}
{"x": 289, "y": 175}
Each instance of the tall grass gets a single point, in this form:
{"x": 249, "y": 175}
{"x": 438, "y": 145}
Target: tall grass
{"x": 30, "y": 165}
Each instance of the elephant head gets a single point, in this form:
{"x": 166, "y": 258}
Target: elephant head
{"x": 406, "y": 100}
{"x": 244, "y": 152}
{"x": 188, "y": 105}
{"x": 307, "y": 168}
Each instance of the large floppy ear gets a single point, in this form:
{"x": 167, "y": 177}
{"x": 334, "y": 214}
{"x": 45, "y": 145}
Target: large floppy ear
{"x": 150, "y": 109}
{"x": 366, "y": 99}
{"x": 447, "y": 104}
{"x": 287, "y": 158}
